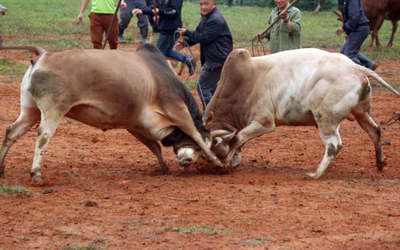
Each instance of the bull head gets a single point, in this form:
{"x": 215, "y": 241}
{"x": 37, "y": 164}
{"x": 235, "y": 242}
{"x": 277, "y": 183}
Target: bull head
{"x": 185, "y": 156}
{"x": 222, "y": 145}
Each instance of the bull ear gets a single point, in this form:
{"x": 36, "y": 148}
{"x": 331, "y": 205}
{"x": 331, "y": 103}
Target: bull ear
{"x": 208, "y": 120}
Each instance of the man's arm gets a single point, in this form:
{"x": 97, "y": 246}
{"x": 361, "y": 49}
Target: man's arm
{"x": 83, "y": 8}
{"x": 211, "y": 32}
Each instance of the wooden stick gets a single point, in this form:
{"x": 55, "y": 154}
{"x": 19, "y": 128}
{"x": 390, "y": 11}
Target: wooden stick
{"x": 154, "y": 8}
{"x": 112, "y": 23}
{"x": 276, "y": 20}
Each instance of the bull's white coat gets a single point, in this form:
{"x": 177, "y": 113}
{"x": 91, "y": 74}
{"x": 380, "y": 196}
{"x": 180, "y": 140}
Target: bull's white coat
{"x": 299, "y": 87}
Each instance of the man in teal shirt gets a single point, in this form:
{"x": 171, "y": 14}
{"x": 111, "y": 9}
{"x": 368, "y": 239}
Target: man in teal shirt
{"x": 286, "y": 33}
{"x": 101, "y": 16}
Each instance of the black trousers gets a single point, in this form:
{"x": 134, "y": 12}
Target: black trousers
{"x": 353, "y": 44}
{"x": 208, "y": 84}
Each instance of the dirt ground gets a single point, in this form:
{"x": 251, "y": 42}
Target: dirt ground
{"x": 98, "y": 192}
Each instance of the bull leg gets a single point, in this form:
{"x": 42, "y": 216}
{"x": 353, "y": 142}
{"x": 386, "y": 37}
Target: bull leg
{"x": 48, "y": 125}
{"x": 333, "y": 144}
{"x": 26, "y": 120}
{"x": 394, "y": 29}
{"x": 317, "y": 9}
{"x": 251, "y": 131}
{"x": 374, "y": 132}
{"x": 156, "y": 150}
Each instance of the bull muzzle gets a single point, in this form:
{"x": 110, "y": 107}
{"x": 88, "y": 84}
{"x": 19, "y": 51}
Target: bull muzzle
{"x": 187, "y": 156}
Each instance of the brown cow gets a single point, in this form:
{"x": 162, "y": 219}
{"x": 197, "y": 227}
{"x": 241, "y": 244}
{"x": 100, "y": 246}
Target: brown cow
{"x": 304, "y": 87}
{"x": 320, "y": 2}
{"x": 379, "y": 11}
{"x": 109, "y": 89}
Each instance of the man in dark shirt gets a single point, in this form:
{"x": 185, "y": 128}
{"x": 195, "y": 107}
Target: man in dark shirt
{"x": 216, "y": 44}
{"x": 356, "y": 29}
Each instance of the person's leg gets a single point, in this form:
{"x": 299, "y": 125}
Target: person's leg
{"x": 143, "y": 21}
{"x": 125, "y": 18}
{"x": 113, "y": 36}
{"x": 165, "y": 43}
{"x": 162, "y": 43}
{"x": 366, "y": 61}
{"x": 353, "y": 43}
{"x": 96, "y": 30}
{"x": 144, "y": 29}
{"x": 207, "y": 84}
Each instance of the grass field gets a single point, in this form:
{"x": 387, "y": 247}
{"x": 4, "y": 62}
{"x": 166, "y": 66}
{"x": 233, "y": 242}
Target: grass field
{"x": 54, "y": 26}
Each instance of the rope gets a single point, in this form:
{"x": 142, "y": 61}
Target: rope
{"x": 186, "y": 45}
{"x": 255, "y": 44}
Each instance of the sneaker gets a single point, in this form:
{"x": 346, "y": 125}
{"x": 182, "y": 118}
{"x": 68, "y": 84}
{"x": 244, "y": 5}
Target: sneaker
{"x": 373, "y": 66}
{"x": 121, "y": 39}
{"x": 191, "y": 64}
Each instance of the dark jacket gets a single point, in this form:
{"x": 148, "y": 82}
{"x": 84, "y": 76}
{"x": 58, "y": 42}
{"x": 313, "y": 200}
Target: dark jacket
{"x": 353, "y": 14}
{"x": 170, "y": 16}
{"x": 214, "y": 37}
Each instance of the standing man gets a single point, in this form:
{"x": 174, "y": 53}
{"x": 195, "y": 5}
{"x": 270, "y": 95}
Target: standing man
{"x": 216, "y": 44}
{"x": 286, "y": 33}
{"x": 101, "y": 16}
{"x": 356, "y": 29}
{"x": 126, "y": 16}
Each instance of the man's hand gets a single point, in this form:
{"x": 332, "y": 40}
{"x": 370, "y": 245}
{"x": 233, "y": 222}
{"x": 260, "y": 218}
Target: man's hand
{"x": 123, "y": 5}
{"x": 156, "y": 11}
{"x": 80, "y": 18}
{"x": 137, "y": 11}
{"x": 182, "y": 31}
{"x": 156, "y": 19}
{"x": 283, "y": 15}
{"x": 339, "y": 31}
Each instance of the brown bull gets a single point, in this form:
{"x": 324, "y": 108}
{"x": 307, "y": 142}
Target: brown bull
{"x": 109, "y": 89}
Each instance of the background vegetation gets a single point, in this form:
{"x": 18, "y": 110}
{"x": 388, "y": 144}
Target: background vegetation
{"x": 53, "y": 25}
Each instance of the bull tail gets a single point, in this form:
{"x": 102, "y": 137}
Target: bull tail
{"x": 370, "y": 73}
{"x": 37, "y": 50}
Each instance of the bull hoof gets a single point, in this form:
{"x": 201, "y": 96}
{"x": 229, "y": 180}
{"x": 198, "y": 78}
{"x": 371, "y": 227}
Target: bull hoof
{"x": 37, "y": 178}
{"x": 37, "y": 181}
{"x": 233, "y": 168}
{"x": 160, "y": 172}
{"x": 313, "y": 175}
{"x": 381, "y": 164}
{"x": 217, "y": 164}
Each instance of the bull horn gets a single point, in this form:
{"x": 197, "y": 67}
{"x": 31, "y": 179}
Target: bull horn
{"x": 220, "y": 132}
{"x": 218, "y": 141}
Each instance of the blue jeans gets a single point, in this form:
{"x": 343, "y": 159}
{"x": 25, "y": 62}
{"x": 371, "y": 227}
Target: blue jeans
{"x": 165, "y": 43}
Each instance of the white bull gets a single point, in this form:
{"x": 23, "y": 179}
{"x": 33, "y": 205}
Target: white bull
{"x": 307, "y": 87}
